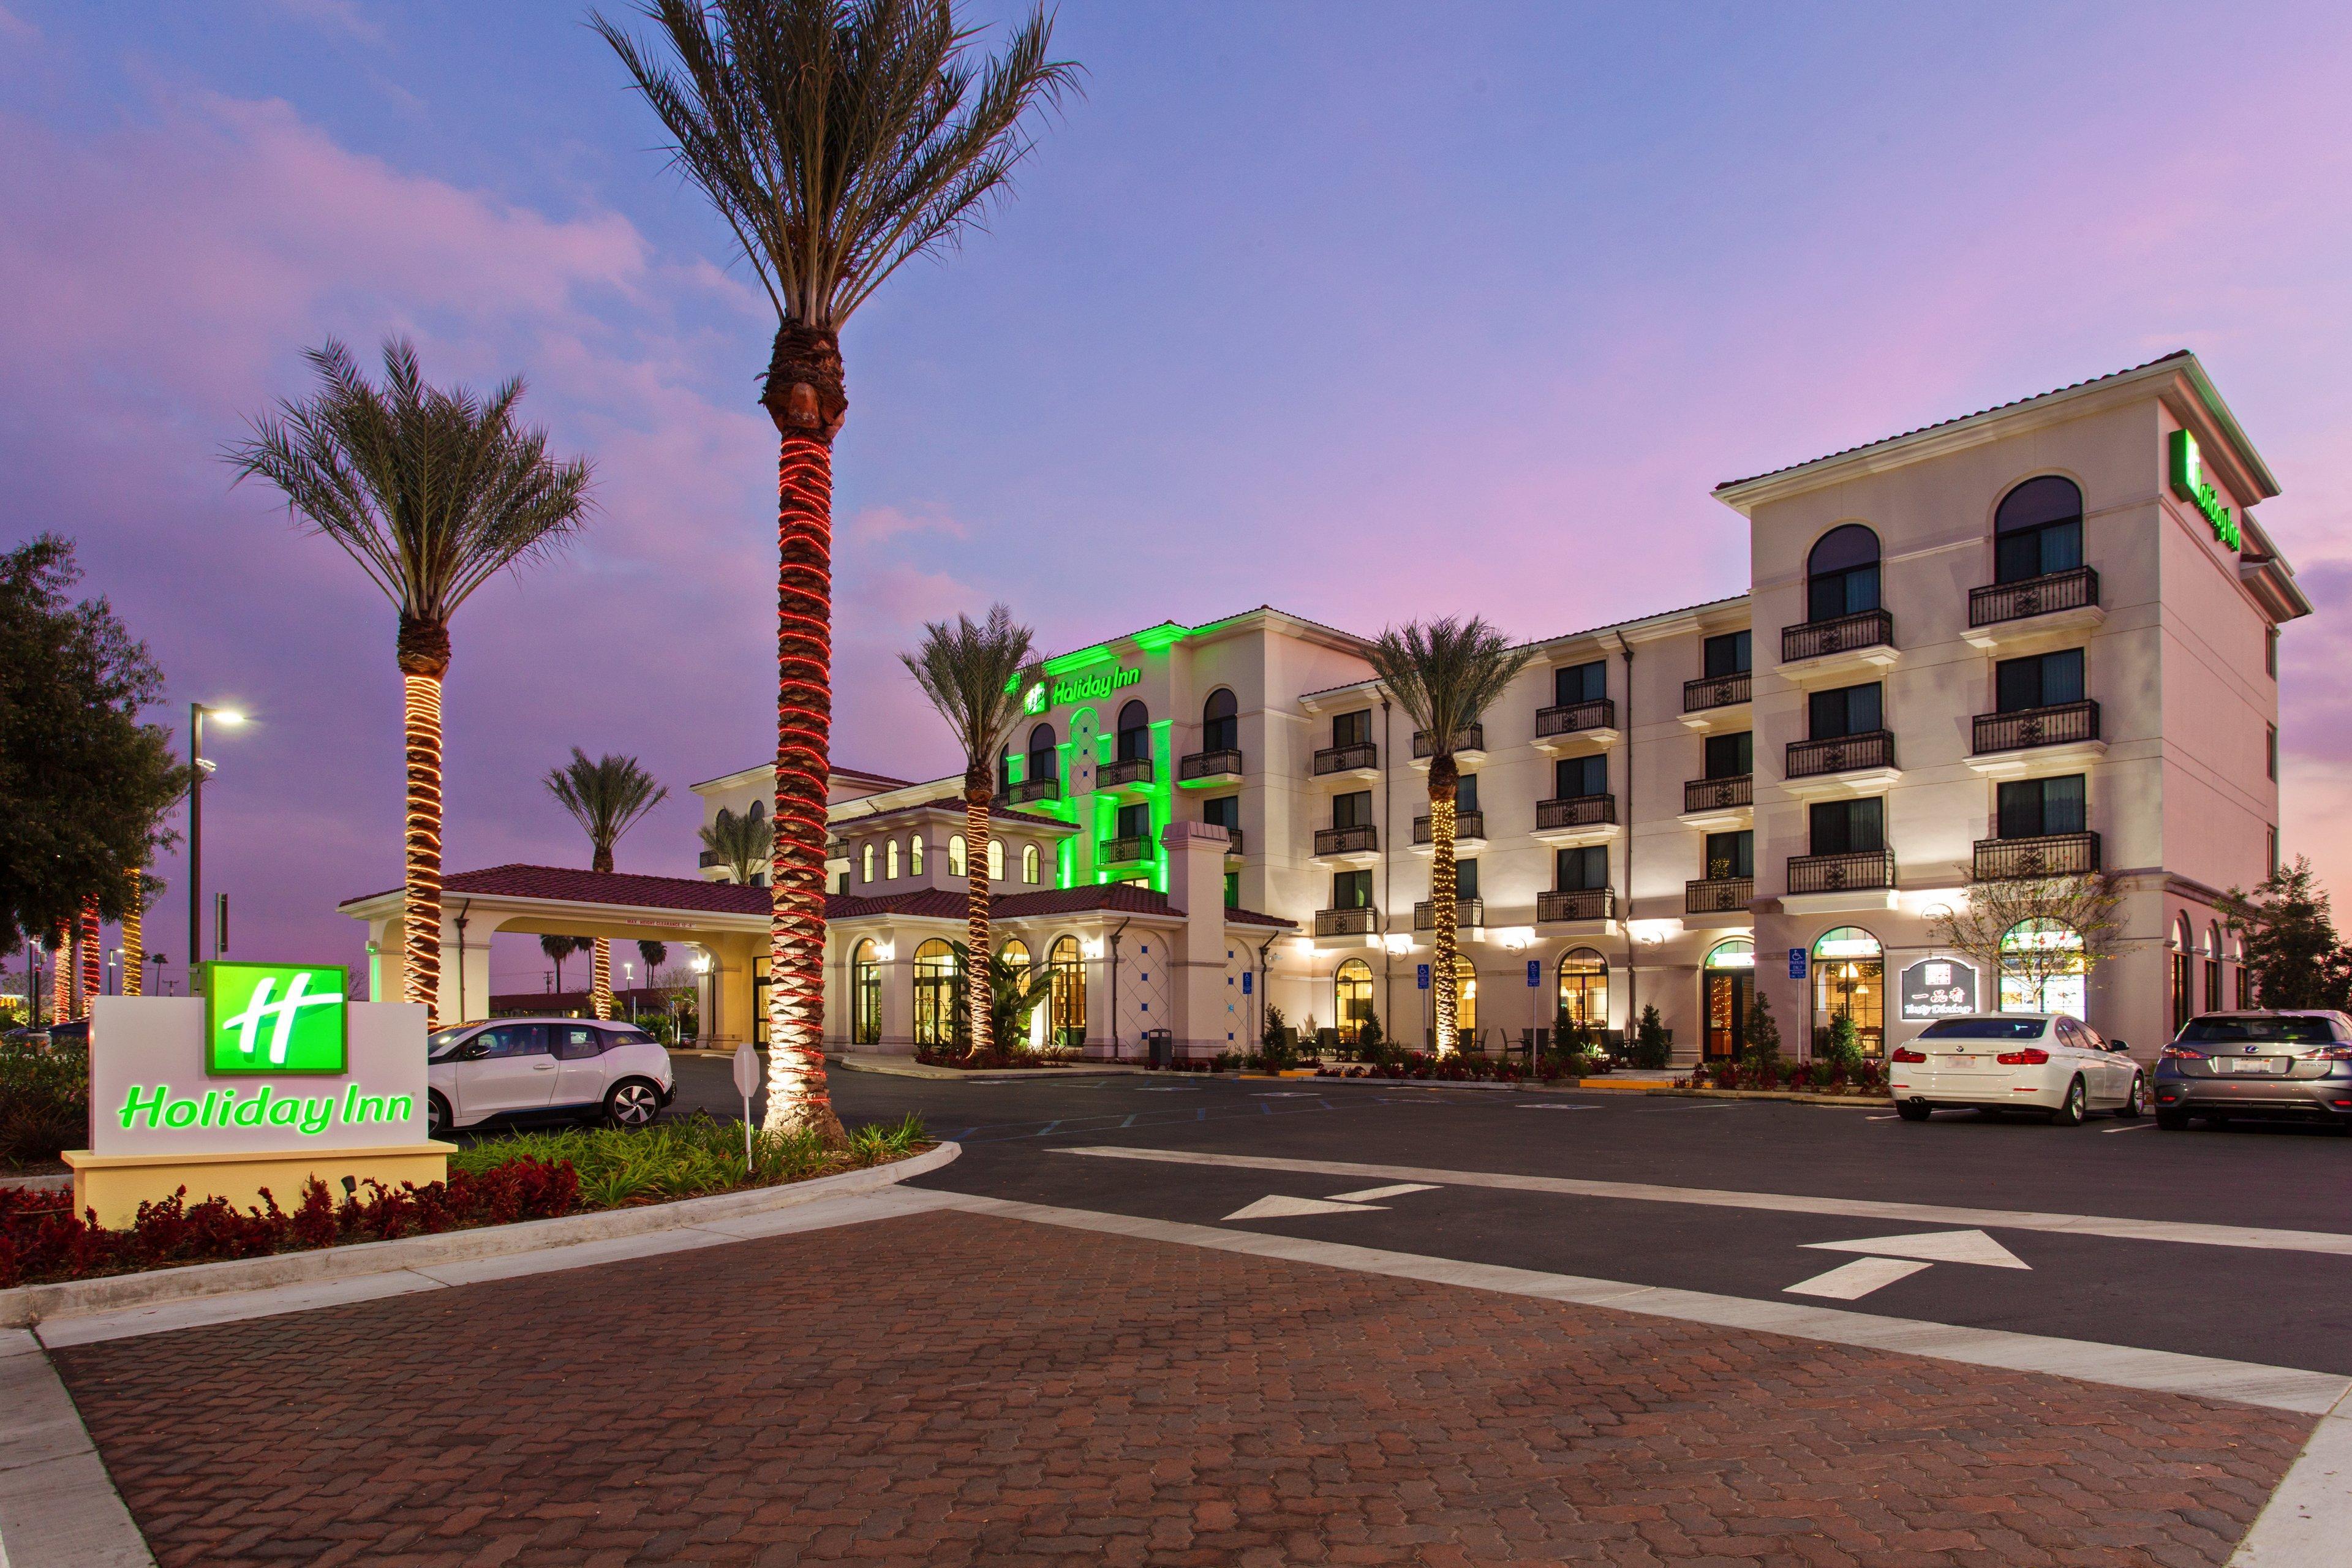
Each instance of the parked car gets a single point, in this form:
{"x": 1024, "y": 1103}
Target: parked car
{"x": 73, "y": 1035}
{"x": 519, "y": 1069}
{"x": 1998, "y": 1062}
{"x": 2277, "y": 1064}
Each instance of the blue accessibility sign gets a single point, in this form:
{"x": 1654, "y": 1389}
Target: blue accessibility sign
{"x": 1247, "y": 978}
{"x": 1535, "y": 972}
{"x": 1421, "y": 976}
{"x": 1796, "y": 963}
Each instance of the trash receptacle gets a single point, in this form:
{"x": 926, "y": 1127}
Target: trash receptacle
{"x": 1159, "y": 1047}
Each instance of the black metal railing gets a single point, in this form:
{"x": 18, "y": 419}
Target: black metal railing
{"x": 1343, "y": 923}
{"x": 713, "y": 858}
{"x": 2058, "y": 726}
{"x": 1469, "y": 738}
{"x": 2044, "y": 855}
{"x": 1123, "y": 851}
{"x": 1347, "y": 759}
{"x": 1576, "y": 811}
{"x": 1217, "y": 765}
{"x": 1035, "y": 789}
{"x": 2076, "y": 588}
{"x": 1600, "y": 713}
{"x": 1719, "y": 895}
{"x": 1715, "y": 691}
{"x": 1467, "y": 825}
{"x": 1469, "y": 914}
{"x": 1719, "y": 795}
{"x": 1841, "y": 754}
{"x": 1577, "y": 904}
{"x": 1132, "y": 770}
{"x": 1841, "y": 634}
{"x": 1862, "y": 869}
{"x": 1233, "y": 839}
{"x": 1347, "y": 840}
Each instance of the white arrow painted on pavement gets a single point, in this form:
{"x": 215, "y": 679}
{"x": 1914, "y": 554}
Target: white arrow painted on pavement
{"x": 1851, "y": 1281}
{"x": 1892, "y": 1257}
{"x": 1276, "y": 1207}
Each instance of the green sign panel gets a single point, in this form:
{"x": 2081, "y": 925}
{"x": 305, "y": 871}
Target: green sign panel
{"x": 2190, "y": 484}
{"x": 275, "y": 1019}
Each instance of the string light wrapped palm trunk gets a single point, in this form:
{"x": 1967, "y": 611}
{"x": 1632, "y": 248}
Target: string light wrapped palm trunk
{"x": 600, "y": 969}
{"x": 976, "y": 941}
{"x": 61, "y": 974}
{"x": 134, "y": 942}
{"x": 1444, "y": 785}
{"x": 424, "y": 663}
{"x": 93, "y": 972}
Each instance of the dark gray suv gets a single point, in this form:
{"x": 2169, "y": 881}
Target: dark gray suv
{"x": 2282, "y": 1063}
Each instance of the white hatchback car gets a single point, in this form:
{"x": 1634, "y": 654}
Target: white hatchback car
{"x": 525, "y": 1068}
{"x": 2016, "y": 1061}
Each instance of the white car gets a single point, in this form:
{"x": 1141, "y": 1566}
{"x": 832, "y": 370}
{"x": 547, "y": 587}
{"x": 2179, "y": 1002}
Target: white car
{"x": 526, "y": 1069}
{"x": 2016, "y": 1061}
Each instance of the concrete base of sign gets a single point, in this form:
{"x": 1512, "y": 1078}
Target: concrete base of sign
{"x": 116, "y": 1184}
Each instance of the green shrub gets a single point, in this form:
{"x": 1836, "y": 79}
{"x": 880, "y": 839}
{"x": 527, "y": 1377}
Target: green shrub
{"x": 688, "y": 1156}
{"x": 44, "y": 1104}
{"x": 1652, "y": 1047}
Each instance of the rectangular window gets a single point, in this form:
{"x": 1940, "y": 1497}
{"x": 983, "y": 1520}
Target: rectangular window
{"x": 1730, "y": 756}
{"x": 1579, "y": 870}
{"x": 2029, "y": 808}
{"x": 1575, "y": 776}
{"x": 1574, "y": 683}
{"x": 2023, "y": 553}
{"x": 1726, "y": 655}
{"x": 2269, "y": 750}
{"x": 1233, "y": 890}
{"x": 2038, "y": 681}
{"x": 1465, "y": 795}
{"x": 1844, "y": 711}
{"x": 1465, "y": 878}
{"x": 1352, "y": 890}
{"x": 1848, "y": 827}
{"x": 1134, "y": 821}
{"x": 1225, "y": 811}
{"x": 1731, "y": 855}
{"x": 2274, "y": 844}
{"x": 1353, "y": 809}
{"x": 1352, "y": 728}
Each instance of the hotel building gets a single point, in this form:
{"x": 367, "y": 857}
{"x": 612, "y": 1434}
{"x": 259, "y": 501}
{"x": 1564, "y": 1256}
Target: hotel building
{"x": 2040, "y": 638}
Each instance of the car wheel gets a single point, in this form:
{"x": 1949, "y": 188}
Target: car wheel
{"x": 1914, "y": 1110}
{"x": 2070, "y": 1110}
{"x": 632, "y": 1102}
{"x": 436, "y": 1117}
{"x": 2172, "y": 1120}
{"x": 2135, "y": 1105}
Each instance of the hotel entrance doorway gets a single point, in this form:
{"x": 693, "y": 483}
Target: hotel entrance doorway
{"x": 1730, "y": 981}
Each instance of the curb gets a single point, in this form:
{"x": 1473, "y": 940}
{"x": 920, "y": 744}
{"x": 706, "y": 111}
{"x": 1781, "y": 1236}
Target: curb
{"x": 26, "y": 1305}
{"x": 1796, "y": 1097}
{"x": 980, "y": 1075}
{"x": 60, "y": 1182}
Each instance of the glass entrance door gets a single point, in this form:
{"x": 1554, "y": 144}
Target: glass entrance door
{"x": 1729, "y": 994}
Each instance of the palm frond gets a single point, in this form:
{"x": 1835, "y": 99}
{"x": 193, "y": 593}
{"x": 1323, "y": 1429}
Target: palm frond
{"x": 606, "y": 797}
{"x": 744, "y": 844}
{"x": 975, "y": 674}
{"x": 1446, "y": 673}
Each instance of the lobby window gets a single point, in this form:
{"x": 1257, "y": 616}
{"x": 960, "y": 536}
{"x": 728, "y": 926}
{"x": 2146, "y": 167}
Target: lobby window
{"x": 1584, "y": 989}
{"x": 1465, "y": 878}
{"x": 955, "y": 855}
{"x": 1029, "y": 864}
{"x": 1580, "y": 870}
{"x": 865, "y": 863}
{"x": 1352, "y": 890}
{"x": 2037, "y": 530}
{"x": 2038, "y": 680}
{"x": 1221, "y": 728}
{"x": 1353, "y": 809}
{"x": 1352, "y": 728}
{"x": 2031, "y": 808}
{"x": 1847, "y": 826}
{"x": 1730, "y": 853}
{"x": 1842, "y": 573}
{"x": 1233, "y": 890}
{"x": 1134, "y": 732}
{"x": 891, "y": 861}
{"x": 1730, "y": 756}
{"x": 1041, "y": 753}
{"x": 1572, "y": 778}
{"x": 1225, "y": 811}
{"x": 1844, "y": 711}
{"x": 1727, "y": 654}
{"x": 1135, "y": 821}
{"x": 915, "y": 855}
{"x": 937, "y": 985}
{"x": 2269, "y": 750}
{"x": 1067, "y": 964}
{"x": 996, "y": 859}
{"x": 1574, "y": 683}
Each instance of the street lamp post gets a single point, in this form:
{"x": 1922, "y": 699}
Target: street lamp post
{"x": 196, "y": 712}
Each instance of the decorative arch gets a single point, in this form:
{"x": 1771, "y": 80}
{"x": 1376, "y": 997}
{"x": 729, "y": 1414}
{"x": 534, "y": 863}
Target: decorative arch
{"x": 2182, "y": 941}
{"x": 2213, "y": 1003}
{"x": 937, "y": 987}
{"x": 1842, "y": 573}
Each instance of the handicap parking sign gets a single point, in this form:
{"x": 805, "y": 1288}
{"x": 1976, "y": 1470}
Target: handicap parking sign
{"x": 1535, "y": 972}
{"x": 1796, "y": 963}
{"x": 1421, "y": 976}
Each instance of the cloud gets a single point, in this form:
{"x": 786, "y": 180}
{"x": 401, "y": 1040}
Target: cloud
{"x": 336, "y": 16}
{"x": 877, "y": 524}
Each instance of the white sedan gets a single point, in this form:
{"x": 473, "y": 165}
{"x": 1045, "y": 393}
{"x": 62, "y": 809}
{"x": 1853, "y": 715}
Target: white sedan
{"x": 523, "y": 1069}
{"x": 2016, "y": 1061}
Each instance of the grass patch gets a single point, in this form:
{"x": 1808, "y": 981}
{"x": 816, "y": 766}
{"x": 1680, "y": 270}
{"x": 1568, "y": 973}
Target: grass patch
{"x": 690, "y": 1156}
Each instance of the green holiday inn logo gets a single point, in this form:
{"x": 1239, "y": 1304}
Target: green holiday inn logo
{"x": 275, "y": 1019}
{"x": 2188, "y": 482}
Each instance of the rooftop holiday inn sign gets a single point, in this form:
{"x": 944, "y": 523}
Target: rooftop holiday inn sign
{"x": 2188, "y": 482}
{"x": 1087, "y": 688}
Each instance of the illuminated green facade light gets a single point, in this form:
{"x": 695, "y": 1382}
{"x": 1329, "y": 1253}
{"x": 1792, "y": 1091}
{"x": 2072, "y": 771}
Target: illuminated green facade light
{"x": 2188, "y": 482}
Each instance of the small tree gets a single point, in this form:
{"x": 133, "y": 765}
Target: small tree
{"x": 2292, "y": 949}
{"x": 744, "y": 844}
{"x": 1761, "y": 1048}
{"x": 2015, "y": 928}
{"x": 1652, "y": 1046}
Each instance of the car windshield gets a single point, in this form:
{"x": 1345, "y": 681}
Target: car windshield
{"x": 631, "y": 1037}
{"x": 2288, "y": 1031}
{"x": 1984, "y": 1029}
{"x": 438, "y": 1045}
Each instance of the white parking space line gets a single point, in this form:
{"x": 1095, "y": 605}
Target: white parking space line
{"x": 2130, "y": 1126}
{"x": 2323, "y": 1243}
{"x": 1369, "y": 1194}
{"x": 1851, "y": 1281}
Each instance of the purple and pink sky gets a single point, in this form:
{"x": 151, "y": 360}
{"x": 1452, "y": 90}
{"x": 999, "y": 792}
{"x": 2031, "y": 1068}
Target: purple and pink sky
{"x": 1291, "y": 293}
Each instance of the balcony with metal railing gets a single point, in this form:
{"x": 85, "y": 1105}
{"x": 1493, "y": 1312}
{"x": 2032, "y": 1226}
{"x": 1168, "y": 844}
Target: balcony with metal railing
{"x": 1469, "y": 744}
{"x": 1574, "y": 818}
{"x": 1232, "y": 840}
{"x": 2055, "y": 602}
{"x": 1129, "y": 850}
{"x": 1469, "y": 914}
{"x": 1719, "y": 895}
{"x": 1129, "y": 775}
{"x": 1709, "y": 692}
{"x": 1361, "y": 760}
{"x": 1736, "y": 793}
{"x": 1469, "y": 827}
{"x": 1569, "y": 905}
{"x": 2044, "y": 854}
{"x": 2065, "y": 725}
{"x": 1362, "y": 843}
{"x": 1572, "y": 724}
{"x": 1221, "y": 766}
{"x": 1343, "y": 923}
{"x": 1858, "y": 870}
{"x": 1865, "y": 636}
{"x": 1047, "y": 787}
{"x": 1869, "y": 755}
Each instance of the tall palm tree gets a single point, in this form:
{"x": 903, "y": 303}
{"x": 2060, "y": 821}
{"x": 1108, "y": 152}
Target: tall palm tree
{"x": 432, "y": 491}
{"x": 559, "y": 948}
{"x": 745, "y": 845}
{"x": 837, "y": 139}
{"x": 606, "y": 798}
{"x": 1446, "y": 674}
{"x": 975, "y": 675}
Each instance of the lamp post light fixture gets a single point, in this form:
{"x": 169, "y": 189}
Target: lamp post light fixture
{"x": 197, "y": 768}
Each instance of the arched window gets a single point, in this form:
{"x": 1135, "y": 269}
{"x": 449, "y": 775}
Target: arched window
{"x": 1584, "y": 989}
{"x": 1070, "y": 995}
{"x": 1134, "y": 732}
{"x": 1842, "y": 573}
{"x": 937, "y": 987}
{"x": 865, "y": 863}
{"x": 1466, "y": 1001}
{"x": 759, "y": 810}
{"x": 915, "y": 855}
{"x": 1728, "y": 987}
{"x": 891, "y": 861}
{"x": 2041, "y": 968}
{"x": 2037, "y": 530}
{"x": 1029, "y": 864}
{"x": 2184, "y": 1000}
{"x": 1004, "y": 773}
{"x": 1041, "y": 753}
{"x": 955, "y": 855}
{"x": 866, "y": 995}
{"x": 1220, "y": 730}
{"x": 996, "y": 859}
{"x": 1850, "y": 982}
{"x": 1015, "y": 953}
{"x": 2213, "y": 967}
{"x": 1351, "y": 998}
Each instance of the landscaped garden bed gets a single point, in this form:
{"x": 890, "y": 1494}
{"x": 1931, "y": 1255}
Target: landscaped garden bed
{"x": 1862, "y": 1078}
{"x": 499, "y": 1181}
{"x": 1458, "y": 1068}
{"x": 44, "y": 1107}
{"x": 997, "y": 1059}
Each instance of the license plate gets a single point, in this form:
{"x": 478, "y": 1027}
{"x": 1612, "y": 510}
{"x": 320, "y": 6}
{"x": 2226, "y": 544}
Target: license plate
{"x": 1960, "y": 1064}
{"x": 2249, "y": 1065}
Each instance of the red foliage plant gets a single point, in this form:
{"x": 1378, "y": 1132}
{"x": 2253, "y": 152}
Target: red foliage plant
{"x": 42, "y": 1239}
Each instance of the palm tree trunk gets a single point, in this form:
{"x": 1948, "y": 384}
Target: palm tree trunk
{"x": 424, "y": 662}
{"x": 1444, "y": 782}
{"x": 134, "y": 944}
{"x": 977, "y": 999}
{"x": 61, "y": 975}
{"x": 804, "y": 397}
{"x": 93, "y": 971}
{"x": 600, "y": 966}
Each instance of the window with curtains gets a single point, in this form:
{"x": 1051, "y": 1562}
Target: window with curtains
{"x": 1727, "y": 654}
{"x": 1221, "y": 726}
{"x": 2038, "y": 680}
{"x": 1575, "y": 777}
{"x": 1581, "y": 869}
{"x": 1844, "y": 711}
{"x": 1847, "y": 826}
{"x": 1842, "y": 573}
{"x": 2037, "y": 530}
{"x": 2031, "y": 808}
{"x": 1730, "y": 756}
{"x": 1134, "y": 732}
{"x": 955, "y": 855}
{"x": 1575, "y": 683}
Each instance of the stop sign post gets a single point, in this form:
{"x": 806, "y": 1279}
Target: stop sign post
{"x": 747, "y": 1080}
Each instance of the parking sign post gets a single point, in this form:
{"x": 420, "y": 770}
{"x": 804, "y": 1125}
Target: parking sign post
{"x": 747, "y": 1078}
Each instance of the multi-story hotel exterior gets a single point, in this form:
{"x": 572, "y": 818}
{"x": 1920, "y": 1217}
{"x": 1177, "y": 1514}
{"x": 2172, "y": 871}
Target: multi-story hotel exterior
{"x": 2042, "y": 637}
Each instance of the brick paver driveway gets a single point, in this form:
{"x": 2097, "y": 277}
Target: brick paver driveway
{"x": 949, "y": 1388}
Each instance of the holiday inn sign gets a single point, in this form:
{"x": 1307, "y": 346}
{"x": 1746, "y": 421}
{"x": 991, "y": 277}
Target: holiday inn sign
{"x": 1070, "y": 688}
{"x": 275, "y": 1019}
